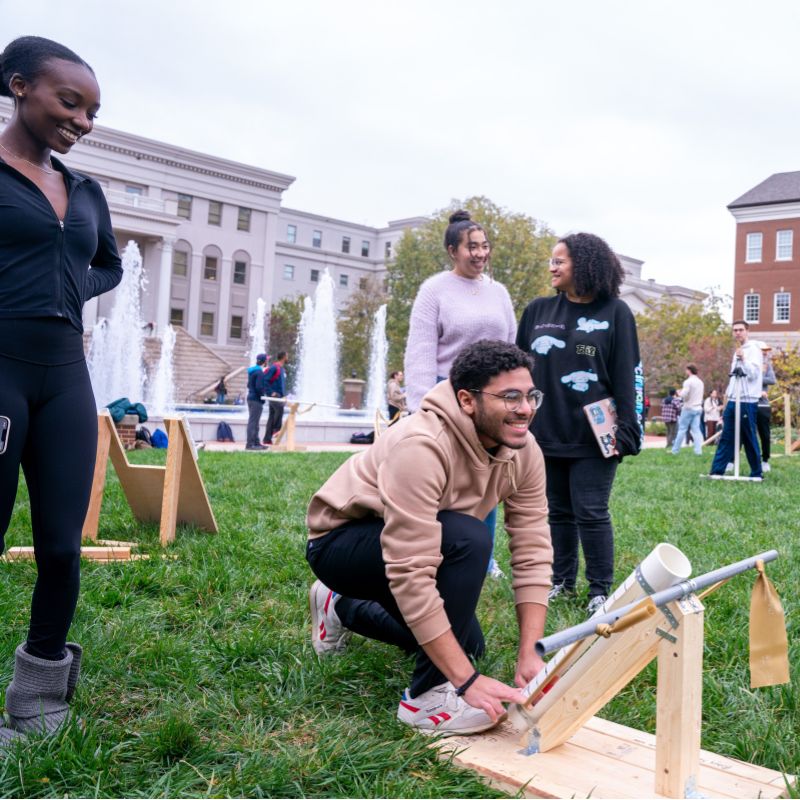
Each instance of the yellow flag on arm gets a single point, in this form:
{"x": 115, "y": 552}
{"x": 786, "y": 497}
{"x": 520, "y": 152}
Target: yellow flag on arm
{"x": 769, "y": 645}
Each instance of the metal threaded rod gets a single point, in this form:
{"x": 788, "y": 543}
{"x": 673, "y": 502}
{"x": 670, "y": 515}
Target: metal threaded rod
{"x": 556, "y": 641}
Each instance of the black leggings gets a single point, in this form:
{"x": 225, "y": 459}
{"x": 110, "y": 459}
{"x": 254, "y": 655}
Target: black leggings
{"x": 349, "y": 561}
{"x": 53, "y": 435}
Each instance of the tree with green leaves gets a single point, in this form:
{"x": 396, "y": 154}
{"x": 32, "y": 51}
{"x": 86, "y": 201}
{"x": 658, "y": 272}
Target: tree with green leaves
{"x": 355, "y": 327}
{"x": 284, "y": 325}
{"x": 672, "y": 335}
{"x": 521, "y": 248}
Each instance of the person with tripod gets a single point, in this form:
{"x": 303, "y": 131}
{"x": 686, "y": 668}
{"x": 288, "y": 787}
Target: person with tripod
{"x": 745, "y": 384}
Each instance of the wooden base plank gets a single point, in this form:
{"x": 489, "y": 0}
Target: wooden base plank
{"x": 602, "y": 760}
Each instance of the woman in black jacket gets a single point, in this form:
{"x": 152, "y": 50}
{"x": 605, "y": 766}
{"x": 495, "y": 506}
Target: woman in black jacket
{"x": 57, "y": 250}
{"x": 585, "y": 349}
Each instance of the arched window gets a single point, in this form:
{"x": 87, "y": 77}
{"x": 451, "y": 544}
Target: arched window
{"x": 181, "y": 259}
{"x": 241, "y": 268}
{"x": 212, "y": 263}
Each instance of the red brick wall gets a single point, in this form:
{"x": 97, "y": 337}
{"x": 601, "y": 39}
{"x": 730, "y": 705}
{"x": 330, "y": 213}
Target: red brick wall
{"x": 769, "y": 275}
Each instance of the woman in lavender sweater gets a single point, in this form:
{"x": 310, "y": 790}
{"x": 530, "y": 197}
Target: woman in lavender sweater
{"x": 453, "y": 309}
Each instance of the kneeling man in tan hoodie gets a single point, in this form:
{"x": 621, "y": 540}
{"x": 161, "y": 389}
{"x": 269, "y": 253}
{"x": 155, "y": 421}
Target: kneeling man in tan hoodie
{"x": 398, "y": 542}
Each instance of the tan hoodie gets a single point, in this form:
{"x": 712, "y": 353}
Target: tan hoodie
{"x": 429, "y": 462}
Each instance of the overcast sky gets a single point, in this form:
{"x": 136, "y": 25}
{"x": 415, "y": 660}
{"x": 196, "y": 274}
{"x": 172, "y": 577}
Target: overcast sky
{"x": 634, "y": 120}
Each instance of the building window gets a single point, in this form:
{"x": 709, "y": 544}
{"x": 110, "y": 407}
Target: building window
{"x": 288, "y": 272}
{"x": 754, "y": 243}
{"x": 314, "y": 275}
{"x": 783, "y": 246}
{"x": 344, "y": 280}
{"x": 345, "y": 244}
{"x": 236, "y": 327}
{"x": 752, "y": 306}
{"x": 176, "y": 316}
{"x": 365, "y": 248}
{"x": 180, "y": 263}
{"x": 362, "y": 284}
{"x": 316, "y": 239}
{"x": 207, "y": 323}
{"x": 783, "y": 302}
{"x": 240, "y": 272}
{"x": 291, "y": 234}
{"x": 137, "y": 190}
{"x": 387, "y": 250}
{"x": 185, "y": 206}
{"x": 243, "y": 220}
{"x": 210, "y": 268}
{"x": 214, "y": 212}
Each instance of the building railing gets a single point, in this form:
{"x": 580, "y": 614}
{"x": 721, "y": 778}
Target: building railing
{"x": 118, "y": 198}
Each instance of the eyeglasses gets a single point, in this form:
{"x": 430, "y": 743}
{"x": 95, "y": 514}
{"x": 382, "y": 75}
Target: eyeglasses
{"x": 513, "y": 399}
{"x": 557, "y": 262}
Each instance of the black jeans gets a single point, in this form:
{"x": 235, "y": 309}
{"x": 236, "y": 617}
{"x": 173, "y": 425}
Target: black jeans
{"x": 43, "y": 403}
{"x": 274, "y": 422}
{"x": 349, "y": 561}
{"x": 577, "y": 494}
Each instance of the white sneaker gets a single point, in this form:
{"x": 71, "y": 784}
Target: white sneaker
{"x": 328, "y": 635}
{"x": 765, "y": 467}
{"x": 729, "y": 468}
{"x": 440, "y": 710}
{"x": 495, "y": 571}
{"x": 595, "y": 604}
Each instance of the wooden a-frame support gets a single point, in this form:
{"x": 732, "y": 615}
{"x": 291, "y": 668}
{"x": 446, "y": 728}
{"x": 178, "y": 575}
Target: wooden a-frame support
{"x": 595, "y": 758}
{"x": 167, "y": 495}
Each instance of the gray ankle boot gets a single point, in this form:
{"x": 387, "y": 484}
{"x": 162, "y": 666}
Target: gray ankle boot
{"x": 74, "y": 669}
{"x": 36, "y": 699}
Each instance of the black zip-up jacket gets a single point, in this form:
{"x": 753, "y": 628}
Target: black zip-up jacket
{"x": 50, "y": 267}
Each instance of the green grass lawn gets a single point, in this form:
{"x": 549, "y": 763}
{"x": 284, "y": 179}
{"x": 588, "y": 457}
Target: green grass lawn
{"x": 200, "y": 679}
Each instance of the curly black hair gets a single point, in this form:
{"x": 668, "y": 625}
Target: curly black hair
{"x": 480, "y": 361}
{"x": 596, "y": 270}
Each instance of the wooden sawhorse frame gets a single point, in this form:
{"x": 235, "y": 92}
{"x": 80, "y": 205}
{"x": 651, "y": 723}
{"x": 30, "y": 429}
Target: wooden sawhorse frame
{"x": 167, "y": 495}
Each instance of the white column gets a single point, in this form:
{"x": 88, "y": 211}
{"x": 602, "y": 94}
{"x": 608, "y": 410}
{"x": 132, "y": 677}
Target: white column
{"x": 268, "y": 260}
{"x": 164, "y": 283}
{"x": 224, "y": 301}
{"x": 193, "y": 304}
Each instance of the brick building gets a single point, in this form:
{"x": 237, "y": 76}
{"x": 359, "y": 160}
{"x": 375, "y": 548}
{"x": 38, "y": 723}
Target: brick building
{"x": 767, "y": 268}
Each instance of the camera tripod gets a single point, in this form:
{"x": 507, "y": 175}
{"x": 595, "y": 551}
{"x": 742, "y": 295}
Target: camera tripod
{"x": 739, "y": 387}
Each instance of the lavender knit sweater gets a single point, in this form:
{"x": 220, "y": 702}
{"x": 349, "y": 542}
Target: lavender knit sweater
{"x": 449, "y": 313}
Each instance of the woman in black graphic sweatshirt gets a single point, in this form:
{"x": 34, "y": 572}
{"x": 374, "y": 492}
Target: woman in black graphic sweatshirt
{"x": 585, "y": 349}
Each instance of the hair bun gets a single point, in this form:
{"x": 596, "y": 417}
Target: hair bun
{"x": 460, "y": 216}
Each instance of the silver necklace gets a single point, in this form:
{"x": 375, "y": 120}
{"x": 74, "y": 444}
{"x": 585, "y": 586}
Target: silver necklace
{"x": 20, "y": 158}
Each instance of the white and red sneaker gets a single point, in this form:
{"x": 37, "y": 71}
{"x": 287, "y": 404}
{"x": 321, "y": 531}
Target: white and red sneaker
{"x": 440, "y": 710}
{"x": 328, "y": 635}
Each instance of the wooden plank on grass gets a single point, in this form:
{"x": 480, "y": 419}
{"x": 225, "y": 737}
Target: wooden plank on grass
{"x": 602, "y": 760}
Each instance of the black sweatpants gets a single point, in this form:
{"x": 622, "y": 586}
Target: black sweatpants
{"x": 53, "y": 435}
{"x": 349, "y": 561}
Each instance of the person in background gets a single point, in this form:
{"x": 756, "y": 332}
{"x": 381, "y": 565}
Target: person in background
{"x": 275, "y": 386}
{"x": 453, "y": 309}
{"x": 692, "y": 397}
{"x": 221, "y": 391}
{"x": 585, "y": 349}
{"x": 57, "y": 250}
{"x": 745, "y": 383}
{"x": 255, "y": 401}
{"x": 764, "y": 411}
{"x": 395, "y": 396}
{"x": 670, "y": 411}
{"x": 712, "y": 408}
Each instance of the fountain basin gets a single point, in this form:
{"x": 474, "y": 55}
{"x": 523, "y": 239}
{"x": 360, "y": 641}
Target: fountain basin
{"x": 204, "y": 419}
